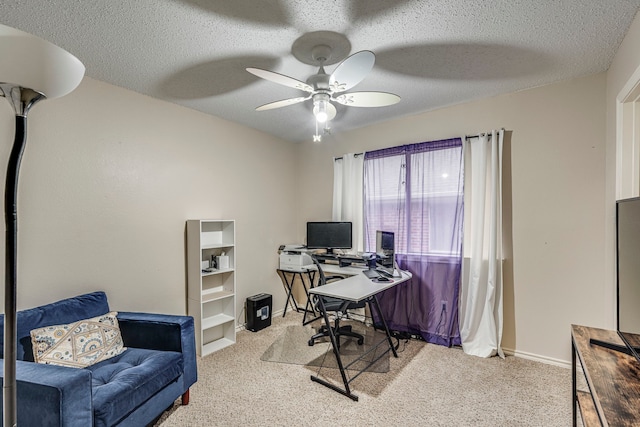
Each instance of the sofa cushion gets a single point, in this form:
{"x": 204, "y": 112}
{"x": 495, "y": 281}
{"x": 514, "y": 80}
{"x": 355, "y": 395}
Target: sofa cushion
{"x": 60, "y": 312}
{"x": 78, "y": 344}
{"x": 124, "y": 382}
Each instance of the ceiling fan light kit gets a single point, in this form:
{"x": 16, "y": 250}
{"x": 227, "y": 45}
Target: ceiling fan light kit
{"x": 321, "y": 48}
{"x": 320, "y": 110}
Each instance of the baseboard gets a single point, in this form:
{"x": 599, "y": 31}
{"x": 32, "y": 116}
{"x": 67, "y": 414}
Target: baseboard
{"x": 537, "y": 358}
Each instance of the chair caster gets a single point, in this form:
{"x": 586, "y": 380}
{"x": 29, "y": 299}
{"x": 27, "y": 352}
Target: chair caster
{"x": 311, "y": 343}
{"x": 360, "y": 341}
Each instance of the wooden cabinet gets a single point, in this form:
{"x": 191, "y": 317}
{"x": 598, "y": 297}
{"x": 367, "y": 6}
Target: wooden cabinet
{"x": 211, "y": 288}
{"x": 612, "y": 395}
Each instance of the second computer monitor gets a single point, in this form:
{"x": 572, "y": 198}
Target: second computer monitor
{"x": 385, "y": 251}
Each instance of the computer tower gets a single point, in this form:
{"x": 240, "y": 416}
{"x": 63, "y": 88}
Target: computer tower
{"x": 258, "y": 312}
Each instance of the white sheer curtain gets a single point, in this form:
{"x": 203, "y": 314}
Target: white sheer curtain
{"x": 481, "y": 289}
{"x": 347, "y": 194}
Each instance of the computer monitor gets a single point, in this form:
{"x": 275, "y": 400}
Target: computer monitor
{"x": 385, "y": 251}
{"x": 329, "y": 235}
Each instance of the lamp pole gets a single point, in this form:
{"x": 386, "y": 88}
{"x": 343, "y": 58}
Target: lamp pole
{"x": 22, "y": 100}
{"x": 31, "y": 69}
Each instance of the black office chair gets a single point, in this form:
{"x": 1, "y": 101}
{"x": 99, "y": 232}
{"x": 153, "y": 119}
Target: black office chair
{"x": 337, "y": 306}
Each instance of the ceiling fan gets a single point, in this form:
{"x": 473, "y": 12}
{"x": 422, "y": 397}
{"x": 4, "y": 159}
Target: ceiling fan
{"x": 323, "y": 88}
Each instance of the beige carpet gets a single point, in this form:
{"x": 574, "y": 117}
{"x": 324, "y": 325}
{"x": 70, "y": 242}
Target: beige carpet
{"x": 428, "y": 385}
{"x": 290, "y": 347}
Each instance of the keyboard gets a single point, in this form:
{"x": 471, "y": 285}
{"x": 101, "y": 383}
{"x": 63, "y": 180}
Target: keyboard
{"x": 374, "y": 274}
{"x": 385, "y": 273}
{"x": 371, "y": 274}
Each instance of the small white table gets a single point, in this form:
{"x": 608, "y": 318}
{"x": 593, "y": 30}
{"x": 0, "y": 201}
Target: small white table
{"x": 355, "y": 288}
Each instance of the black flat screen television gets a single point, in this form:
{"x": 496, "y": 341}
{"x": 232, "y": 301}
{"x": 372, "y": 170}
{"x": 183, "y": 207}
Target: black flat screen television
{"x": 329, "y": 235}
{"x": 628, "y": 272}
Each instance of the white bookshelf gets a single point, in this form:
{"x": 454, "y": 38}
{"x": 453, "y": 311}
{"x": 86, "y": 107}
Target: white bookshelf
{"x": 211, "y": 295}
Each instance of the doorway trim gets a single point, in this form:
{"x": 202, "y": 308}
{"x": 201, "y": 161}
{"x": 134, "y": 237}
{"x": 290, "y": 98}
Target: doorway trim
{"x": 628, "y": 138}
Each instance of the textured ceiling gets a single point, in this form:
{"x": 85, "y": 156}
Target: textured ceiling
{"x": 432, "y": 53}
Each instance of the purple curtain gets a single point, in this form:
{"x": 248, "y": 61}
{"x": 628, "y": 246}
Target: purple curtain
{"x": 416, "y": 191}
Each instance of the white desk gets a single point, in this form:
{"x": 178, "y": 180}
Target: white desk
{"x": 345, "y": 271}
{"x": 310, "y": 271}
{"x": 357, "y": 287}
{"x": 354, "y": 288}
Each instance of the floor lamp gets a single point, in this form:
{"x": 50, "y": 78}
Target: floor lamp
{"x": 31, "y": 69}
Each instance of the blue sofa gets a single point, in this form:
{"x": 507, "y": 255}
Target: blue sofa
{"x": 130, "y": 389}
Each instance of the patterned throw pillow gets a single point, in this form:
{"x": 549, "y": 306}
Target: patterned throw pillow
{"x": 78, "y": 344}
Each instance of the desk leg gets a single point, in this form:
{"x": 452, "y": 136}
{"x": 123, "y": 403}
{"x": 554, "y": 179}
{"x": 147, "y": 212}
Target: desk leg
{"x": 309, "y": 308}
{"x": 384, "y": 323}
{"x": 289, "y": 289}
{"x": 336, "y": 352}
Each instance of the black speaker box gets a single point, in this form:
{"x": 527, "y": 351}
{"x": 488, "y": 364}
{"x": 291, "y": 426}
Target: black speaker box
{"x": 258, "y": 312}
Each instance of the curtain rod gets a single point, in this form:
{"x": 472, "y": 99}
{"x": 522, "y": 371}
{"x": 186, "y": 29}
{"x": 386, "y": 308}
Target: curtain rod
{"x": 465, "y": 137}
{"x": 340, "y": 158}
{"x": 478, "y": 135}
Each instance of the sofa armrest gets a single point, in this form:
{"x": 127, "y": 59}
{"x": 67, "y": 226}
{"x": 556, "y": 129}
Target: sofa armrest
{"x": 50, "y": 395}
{"x": 163, "y": 332}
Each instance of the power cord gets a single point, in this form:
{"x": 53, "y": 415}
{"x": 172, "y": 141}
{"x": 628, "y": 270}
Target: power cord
{"x": 405, "y": 336}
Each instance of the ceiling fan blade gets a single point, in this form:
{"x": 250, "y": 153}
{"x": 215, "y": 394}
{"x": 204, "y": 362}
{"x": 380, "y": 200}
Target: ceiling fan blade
{"x": 281, "y": 103}
{"x": 352, "y": 71}
{"x": 367, "y": 99}
{"x": 280, "y": 79}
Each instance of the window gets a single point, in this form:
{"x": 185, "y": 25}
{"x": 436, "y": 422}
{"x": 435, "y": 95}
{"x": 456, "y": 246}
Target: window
{"x": 417, "y": 194}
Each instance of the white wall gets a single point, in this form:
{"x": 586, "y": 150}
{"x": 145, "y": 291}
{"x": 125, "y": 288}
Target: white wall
{"x": 554, "y": 199}
{"x": 624, "y": 65}
{"x": 109, "y": 178}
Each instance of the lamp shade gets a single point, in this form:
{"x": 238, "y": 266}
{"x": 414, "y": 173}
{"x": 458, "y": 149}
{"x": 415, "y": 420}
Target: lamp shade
{"x": 31, "y": 62}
